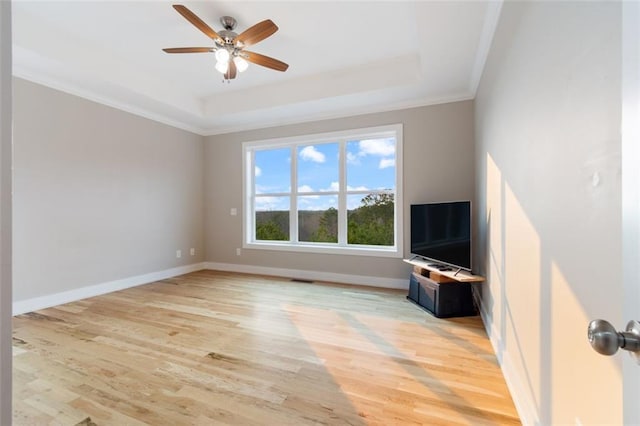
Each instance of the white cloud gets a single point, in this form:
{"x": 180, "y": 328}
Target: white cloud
{"x": 310, "y": 153}
{"x": 387, "y": 162}
{"x": 334, "y": 186}
{"x": 304, "y": 203}
{"x": 352, "y": 158}
{"x": 265, "y": 189}
{"x": 357, "y": 188}
{"x": 317, "y": 203}
{"x": 271, "y": 203}
{"x": 258, "y": 171}
{"x": 305, "y": 188}
{"x": 379, "y": 147}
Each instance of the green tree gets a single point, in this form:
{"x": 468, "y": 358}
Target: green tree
{"x": 270, "y": 231}
{"x": 373, "y": 222}
{"x": 272, "y": 225}
{"x": 327, "y": 231}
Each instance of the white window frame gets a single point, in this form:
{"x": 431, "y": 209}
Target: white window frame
{"x": 248, "y": 164}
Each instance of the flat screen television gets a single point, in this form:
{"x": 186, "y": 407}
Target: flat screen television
{"x": 441, "y": 232}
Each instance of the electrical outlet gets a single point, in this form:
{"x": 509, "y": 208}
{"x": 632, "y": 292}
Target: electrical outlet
{"x": 233, "y": 211}
{"x": 192, "y": 251}
{"x": 178, "y": 254}
{"x": 238, "y": 252}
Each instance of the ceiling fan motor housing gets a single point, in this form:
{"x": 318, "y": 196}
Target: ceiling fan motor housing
{"x": 227, "y": 36}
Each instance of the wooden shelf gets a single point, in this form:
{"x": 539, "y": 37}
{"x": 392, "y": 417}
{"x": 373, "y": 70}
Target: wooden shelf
{"x": 462, "y": 276}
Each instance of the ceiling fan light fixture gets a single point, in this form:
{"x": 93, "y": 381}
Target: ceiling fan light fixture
{"x": 222, "y": 66}
{"x": 241, "y": 64}
{"x": 222, "y": 55}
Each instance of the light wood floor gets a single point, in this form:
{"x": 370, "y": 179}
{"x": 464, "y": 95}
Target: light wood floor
{"x": 218, "y": 348}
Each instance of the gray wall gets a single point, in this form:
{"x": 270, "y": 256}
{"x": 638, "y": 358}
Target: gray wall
{"x": 547, "y": 118}
{"x": 438, "y": 166}
{"x": 5, "y": 213}
{"x": 102, "y": 195}
{"x": 99, "y": 194}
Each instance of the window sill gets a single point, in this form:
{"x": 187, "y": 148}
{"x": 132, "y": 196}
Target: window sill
{"x": 320, "y": 249}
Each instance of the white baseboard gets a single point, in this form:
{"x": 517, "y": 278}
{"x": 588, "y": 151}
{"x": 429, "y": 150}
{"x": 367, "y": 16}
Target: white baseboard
{"x": 522, "y": 398}
{"x": 36, "y": 303}
{"x": 364, "y": 280}
{"x": 42, "y": 302}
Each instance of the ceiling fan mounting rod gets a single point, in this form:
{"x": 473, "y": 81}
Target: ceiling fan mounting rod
{"x": 228, "y": 22}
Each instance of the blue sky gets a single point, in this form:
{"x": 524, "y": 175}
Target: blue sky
{"x": 370, "y": 165}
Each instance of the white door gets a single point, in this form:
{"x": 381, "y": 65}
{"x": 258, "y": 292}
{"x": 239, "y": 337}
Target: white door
{"x": 631, "y": 198}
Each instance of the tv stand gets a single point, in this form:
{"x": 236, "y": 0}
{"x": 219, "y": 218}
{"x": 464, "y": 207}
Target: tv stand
{"x": 459, "y": 275}
{"x": 441, "y": 293}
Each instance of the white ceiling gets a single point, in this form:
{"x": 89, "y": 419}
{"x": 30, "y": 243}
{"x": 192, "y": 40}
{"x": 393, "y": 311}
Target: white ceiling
{"x": 345, "y": 57}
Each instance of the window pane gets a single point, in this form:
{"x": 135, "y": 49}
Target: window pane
{"x": 318, "y": 168}
{"x": 371, "y": 164}
{"x": 272, "y": 218}
{"x": 370, "y": 219}
{"x": 318, "y": 219}
{"x": 272, "y": 171}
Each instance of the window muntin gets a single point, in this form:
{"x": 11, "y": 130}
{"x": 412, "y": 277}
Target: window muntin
{"x": 335, "y": 192}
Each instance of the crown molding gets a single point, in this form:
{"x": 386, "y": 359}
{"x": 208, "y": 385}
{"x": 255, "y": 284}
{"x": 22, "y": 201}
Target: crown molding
{"x": 76, "y": 90}
{"x": 492, "y": 16}
{"x": 351, "y": 112}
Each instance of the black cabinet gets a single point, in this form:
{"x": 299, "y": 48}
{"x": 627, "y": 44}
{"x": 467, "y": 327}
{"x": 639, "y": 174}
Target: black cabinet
{"x": 450, "y": 299}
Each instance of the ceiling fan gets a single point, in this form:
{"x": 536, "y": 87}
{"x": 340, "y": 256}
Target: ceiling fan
{"x": 229, "y": 47}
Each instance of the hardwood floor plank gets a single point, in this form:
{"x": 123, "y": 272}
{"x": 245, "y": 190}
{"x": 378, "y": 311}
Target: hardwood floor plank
{"x": 218, "y": 348}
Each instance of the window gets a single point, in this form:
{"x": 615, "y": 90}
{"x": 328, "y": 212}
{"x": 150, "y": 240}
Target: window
{"x": 327, "y": 193}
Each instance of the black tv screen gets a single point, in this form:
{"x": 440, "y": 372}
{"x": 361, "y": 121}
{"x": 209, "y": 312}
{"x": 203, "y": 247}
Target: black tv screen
{"x": 441, "y": 232}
